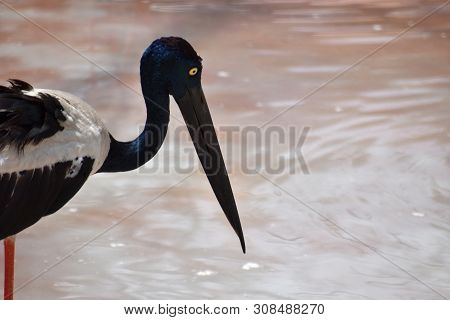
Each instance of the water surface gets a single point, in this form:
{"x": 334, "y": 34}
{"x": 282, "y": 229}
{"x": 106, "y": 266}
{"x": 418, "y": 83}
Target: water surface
{"x": 370, "y": 220}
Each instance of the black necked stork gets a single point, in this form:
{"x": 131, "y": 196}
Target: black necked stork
{"x": 51, "y": 142}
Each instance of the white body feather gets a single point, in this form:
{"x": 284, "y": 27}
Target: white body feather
{"x": 84, "y": 134}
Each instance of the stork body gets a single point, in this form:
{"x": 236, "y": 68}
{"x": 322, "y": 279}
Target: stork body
{"x": 65, "y": 143}
{"x": 52, "y": 141}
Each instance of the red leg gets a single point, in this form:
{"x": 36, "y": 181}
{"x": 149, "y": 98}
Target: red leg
{"x": 9, "y": 244}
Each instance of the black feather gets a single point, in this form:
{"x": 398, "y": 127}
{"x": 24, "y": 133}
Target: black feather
{"x": 20, "y": 85}
{"x": 26, "y": 119}
{"x": 29, "y": 195}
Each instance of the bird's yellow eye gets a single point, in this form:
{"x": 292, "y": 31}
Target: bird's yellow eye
{"x": 193, "y": 71}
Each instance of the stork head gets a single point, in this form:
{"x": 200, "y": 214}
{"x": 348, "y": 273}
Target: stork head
{"x": 174, "y": 63}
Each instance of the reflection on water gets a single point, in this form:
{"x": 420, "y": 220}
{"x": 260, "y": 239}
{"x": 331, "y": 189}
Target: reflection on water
{"x": 378, "y": 152}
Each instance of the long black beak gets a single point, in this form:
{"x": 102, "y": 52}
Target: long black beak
{"x": 196, "y": 114}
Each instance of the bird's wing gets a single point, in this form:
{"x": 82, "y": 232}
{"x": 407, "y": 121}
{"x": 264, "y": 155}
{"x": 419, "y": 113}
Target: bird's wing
{"x": 26, "y": 119}
{"x": 50, "y": 142}
{"x": 28, "y": 195}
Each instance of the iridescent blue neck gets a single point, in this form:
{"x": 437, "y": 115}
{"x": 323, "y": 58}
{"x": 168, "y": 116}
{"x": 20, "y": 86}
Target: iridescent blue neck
{"x": 126, "y": 156}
